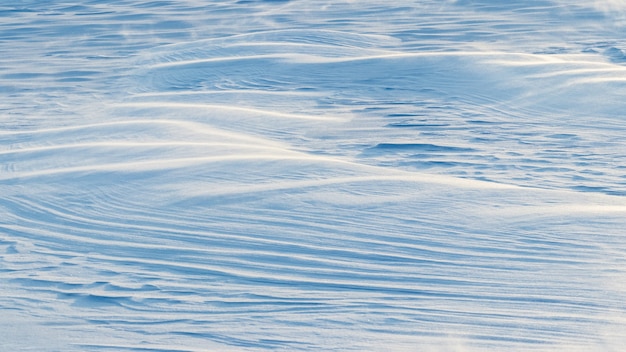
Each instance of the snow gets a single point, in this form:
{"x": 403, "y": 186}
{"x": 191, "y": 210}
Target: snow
{"x": 312, "y": 175}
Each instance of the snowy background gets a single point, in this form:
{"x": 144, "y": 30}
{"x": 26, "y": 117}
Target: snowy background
{"x": 372, "y": 175}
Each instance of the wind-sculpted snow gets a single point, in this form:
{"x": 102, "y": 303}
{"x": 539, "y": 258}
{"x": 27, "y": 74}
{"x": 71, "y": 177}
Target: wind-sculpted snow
{"x": 312, "y": 175}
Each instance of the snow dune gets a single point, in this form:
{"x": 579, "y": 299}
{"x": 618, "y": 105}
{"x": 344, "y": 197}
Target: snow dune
{"x": 286, "y": 175}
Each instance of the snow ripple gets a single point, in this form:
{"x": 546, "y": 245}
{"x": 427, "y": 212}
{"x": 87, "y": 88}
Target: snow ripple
{"x": 262, "y": 175}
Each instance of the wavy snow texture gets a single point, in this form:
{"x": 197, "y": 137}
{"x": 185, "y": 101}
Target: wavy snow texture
{"x": 264, "y": 175}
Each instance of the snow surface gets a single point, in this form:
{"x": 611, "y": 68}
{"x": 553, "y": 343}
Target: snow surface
{"x": 417, "y": 175}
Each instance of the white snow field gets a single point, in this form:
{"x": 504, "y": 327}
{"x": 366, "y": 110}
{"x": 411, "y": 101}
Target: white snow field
{"x": 312, "y": 175}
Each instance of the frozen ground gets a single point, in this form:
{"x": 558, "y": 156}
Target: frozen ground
{"x": 312, "y": 175}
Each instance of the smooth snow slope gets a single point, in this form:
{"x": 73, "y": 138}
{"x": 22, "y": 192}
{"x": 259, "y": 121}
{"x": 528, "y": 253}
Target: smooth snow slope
{"x": 312, "y": 175}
